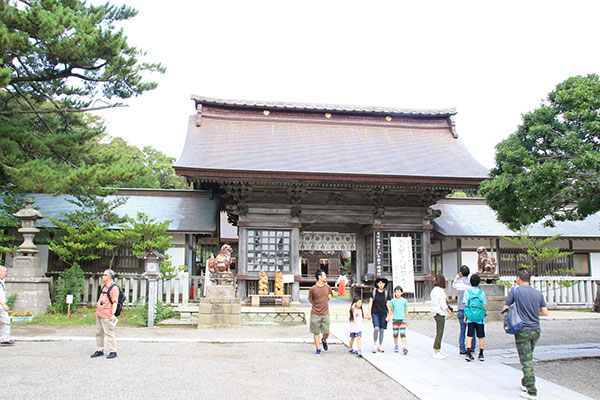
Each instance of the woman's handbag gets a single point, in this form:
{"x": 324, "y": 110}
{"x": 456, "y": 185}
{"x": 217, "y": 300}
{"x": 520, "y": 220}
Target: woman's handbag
{"x": 512, "y": 321}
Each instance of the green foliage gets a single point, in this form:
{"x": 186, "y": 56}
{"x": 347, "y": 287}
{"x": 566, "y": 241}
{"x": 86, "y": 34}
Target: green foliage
{"x": 346, "y": 266}
{"x": 539, "y": 251}
{"x": 10, "y": 302}
{"x": 153, "y": 169}
{"x": 85, "y": 230}
{"x": 11, "y": 201}
{"x": 550, "y": 167}
{"x": 161, "y": 312}
{"x": 70, "y": 281}
{"x": 58, "y": 59}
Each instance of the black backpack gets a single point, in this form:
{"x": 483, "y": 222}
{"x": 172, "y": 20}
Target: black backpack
{"x": 120, "y": 301}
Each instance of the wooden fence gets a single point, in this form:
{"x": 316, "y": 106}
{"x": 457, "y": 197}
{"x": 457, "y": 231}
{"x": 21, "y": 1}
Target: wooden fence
{"x": 563, "y": 291}
{"x": 173, "y": 292}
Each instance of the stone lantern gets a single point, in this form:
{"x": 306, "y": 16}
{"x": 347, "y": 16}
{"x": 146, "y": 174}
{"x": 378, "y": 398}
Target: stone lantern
{"x": 152, "y": 261}
{"x": 26, "y": 278}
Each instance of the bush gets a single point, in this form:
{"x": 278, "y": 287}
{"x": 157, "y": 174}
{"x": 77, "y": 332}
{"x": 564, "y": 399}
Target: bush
{"x": 70, "y": 281}
{"x": 161, "y": 312}
{"x": 10, "y": 302}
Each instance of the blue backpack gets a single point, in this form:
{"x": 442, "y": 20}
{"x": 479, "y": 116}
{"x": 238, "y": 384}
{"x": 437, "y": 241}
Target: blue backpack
{"x": 474, "y": 308}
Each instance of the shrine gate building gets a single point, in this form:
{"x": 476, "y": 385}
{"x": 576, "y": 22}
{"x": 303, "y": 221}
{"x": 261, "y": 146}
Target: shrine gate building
{"x": 308, "y": 185}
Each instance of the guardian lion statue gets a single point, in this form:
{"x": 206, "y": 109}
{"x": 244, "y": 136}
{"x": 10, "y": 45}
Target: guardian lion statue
{"x": 485, "y": 263}
{"x": 220, "y": 263}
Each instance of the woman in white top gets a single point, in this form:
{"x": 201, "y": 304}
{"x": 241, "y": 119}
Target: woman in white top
{"x": 439, "y": 310}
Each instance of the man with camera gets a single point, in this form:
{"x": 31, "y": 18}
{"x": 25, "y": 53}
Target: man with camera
{"x": 461, "y": 284}
{"x": 105, "y": 316}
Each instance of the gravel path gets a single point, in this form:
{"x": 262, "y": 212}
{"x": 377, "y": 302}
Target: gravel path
{"x": 64, "y": 370}
{"x": 553, "y": 332}
{"x": 579, "y": 375}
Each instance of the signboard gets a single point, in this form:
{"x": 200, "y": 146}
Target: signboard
{"x": 288, "y": 278}
{"x": 402, "y": 263}
{"x": 378, "y": 252}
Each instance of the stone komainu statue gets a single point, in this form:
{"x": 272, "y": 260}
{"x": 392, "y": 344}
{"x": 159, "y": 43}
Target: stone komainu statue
{"x": 263, "y": 282}
{"x": 279, "y": 288}
{"x": 485, "y": 263}
{"x": 222, "y": 261}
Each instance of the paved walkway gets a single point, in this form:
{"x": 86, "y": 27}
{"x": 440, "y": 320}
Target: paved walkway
{"x": 433, "y": 379}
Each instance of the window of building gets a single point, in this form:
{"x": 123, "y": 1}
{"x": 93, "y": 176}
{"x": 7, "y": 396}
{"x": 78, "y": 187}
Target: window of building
{"x": 436, "y": 264}
{"x": 581, "y": 264}
{"x": 268, "y": 250}
{"x": 417, "y": 245}
{"x": 304, "y": 266}
{"x": 324, "y": 265}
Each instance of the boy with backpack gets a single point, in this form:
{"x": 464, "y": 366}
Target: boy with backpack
{"x": 475, "y": 309}
{"x": 108, "y": 308}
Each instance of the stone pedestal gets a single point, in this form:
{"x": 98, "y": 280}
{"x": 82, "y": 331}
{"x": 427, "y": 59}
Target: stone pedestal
{"x": 220, "y": 308}
{"x": 25, "y": 279}
{"x": 494, "y": 294}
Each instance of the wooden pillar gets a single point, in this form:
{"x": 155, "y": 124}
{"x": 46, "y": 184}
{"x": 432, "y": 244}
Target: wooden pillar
{"x": 361, "y": 257}
{"x": 295, "y": 266}
{"x": 242, "y": 267}
{"x": 426, "y": 249}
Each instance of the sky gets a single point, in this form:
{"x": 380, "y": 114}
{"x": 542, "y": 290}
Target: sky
{"x": 492, "y": 61}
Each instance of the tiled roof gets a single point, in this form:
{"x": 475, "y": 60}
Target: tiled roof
{"x": 473, "y": 218}
{"x": 416, "y": 149}
{"x": 323, "y": 107}
{"x": 188, "y": 211}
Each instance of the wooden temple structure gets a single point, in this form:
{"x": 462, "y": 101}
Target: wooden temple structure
{"x": 307, "y": 184}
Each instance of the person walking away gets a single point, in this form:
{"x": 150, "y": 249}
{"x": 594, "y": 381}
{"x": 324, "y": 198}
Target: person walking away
{"x": 341, "y": 284}
{"x": 475, "y": 315}
{"x": 530, "y": 305}
{"x": 462, "y": 283}
{"x": 440, "y": 310}
{"x": 356, "y": 318}
{"x": 379, "y": 310}
{"x": 319, "y": 295}
{"x": 399, "y": 318}
{"x": 4, "y": 317}
{"x": 105, "y": 315}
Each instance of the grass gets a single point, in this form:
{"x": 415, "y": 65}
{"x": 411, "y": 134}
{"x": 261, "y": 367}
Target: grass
{"x": 86, "y": 317}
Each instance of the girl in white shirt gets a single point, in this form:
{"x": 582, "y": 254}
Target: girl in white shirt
{"x": 439, "y": 310}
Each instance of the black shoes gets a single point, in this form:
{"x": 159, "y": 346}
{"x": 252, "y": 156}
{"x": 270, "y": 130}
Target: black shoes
{"x": 481, "y": 358}
{"x": 110, "y": 355}
{"x": 469, "y": 356}
{"x": 97, "y": 354}
{"x": 8, "y": 343}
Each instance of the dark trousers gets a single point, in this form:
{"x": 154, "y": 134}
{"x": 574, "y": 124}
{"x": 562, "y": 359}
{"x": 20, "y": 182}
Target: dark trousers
{"x": 460, "y": 314}
{"x": 440, "y": 321}
{"x": 526, "y": 341}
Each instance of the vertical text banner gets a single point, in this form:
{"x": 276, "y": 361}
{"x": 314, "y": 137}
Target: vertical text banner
{"x": 402, "y": 263}
{"x": 378, "y": 252}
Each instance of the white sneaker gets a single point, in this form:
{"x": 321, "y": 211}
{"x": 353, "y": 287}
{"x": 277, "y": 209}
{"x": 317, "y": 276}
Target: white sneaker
{"x": 374, "y": 348}
{"x": 526, "y": 395}
{"x": 523, "y": 388}
{"x": 439, "y": 356}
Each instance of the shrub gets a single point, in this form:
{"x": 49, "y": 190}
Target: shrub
{"x": 70, "y": 281}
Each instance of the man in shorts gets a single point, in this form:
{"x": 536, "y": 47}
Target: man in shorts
{"x": 319, "y": 296}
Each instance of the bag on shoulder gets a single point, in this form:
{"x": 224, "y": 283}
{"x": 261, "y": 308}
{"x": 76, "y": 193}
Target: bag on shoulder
{"x": 385, "y": 294}
{"x": 512, "y": 321}
{"x": 120, "y": 300}
{"x": 474, "y": 309}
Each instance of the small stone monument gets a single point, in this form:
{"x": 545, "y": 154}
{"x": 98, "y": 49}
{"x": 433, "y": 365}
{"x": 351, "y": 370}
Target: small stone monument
{"x": 220, "y": 308}
{"x": 26, "y": 277}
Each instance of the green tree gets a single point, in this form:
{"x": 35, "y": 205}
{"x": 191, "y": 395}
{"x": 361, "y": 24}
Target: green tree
{"x": 148, "y": 168}
{"x": 539, "y": 252}
{"x": 59, "y": 58}
{"x": 550, "y": 167}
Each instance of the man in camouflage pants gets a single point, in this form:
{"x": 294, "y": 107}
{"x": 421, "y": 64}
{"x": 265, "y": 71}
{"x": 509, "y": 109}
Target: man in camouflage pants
{"x": 530, "y": 305}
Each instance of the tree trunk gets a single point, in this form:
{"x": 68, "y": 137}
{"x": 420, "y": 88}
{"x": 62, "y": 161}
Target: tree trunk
{"x": 597, "y": 301}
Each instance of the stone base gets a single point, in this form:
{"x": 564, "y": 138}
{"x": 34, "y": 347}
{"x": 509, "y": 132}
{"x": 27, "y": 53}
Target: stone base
{"x": 494, "y": 294}
{"x": 220, "y": 308}
{"x": 33, "y": 294}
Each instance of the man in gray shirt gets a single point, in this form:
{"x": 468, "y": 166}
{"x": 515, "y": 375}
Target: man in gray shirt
{"x": 530, "y": 305}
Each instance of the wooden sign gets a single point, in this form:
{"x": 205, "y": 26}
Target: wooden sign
{"x": 402, "y": 263}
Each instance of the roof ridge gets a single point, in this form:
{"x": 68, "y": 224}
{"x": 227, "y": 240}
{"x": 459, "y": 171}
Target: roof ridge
{"x": 442, "y": 112}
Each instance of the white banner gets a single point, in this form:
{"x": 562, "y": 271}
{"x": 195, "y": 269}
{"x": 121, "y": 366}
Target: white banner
{"x": 402, "y": 263}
